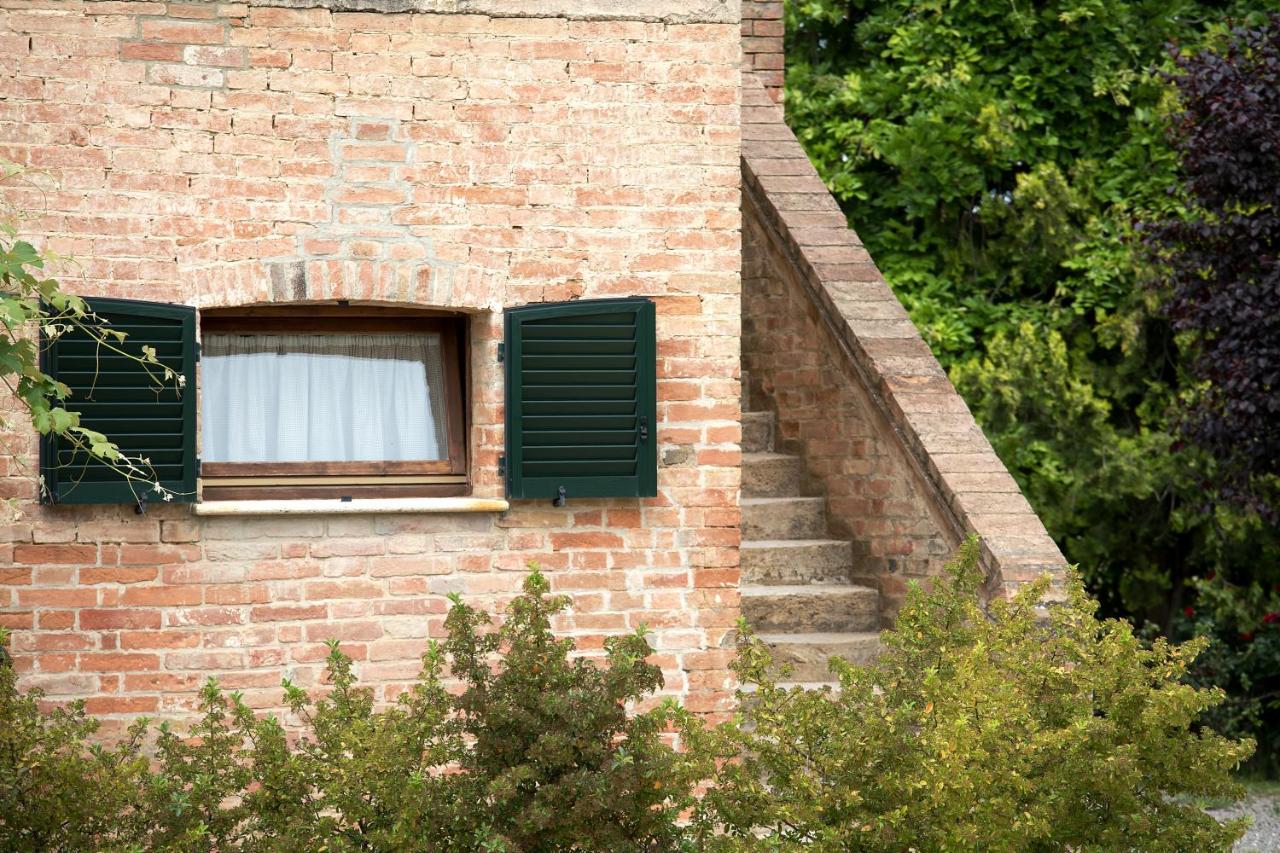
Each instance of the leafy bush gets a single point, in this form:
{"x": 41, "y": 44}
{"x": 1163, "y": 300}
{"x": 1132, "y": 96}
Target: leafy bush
{"x": 1005, "y": 726}
{"x": 56, "y": 791}
{"x": 1242, "y": 625}
{"x": 538, "y": 753}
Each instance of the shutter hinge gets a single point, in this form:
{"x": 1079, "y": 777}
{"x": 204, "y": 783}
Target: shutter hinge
{"x": 502, "y": 466}
{"x": 502, "y": 353}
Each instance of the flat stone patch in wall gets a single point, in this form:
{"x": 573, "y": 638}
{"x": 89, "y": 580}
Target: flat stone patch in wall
{"x": 657, "y": 11}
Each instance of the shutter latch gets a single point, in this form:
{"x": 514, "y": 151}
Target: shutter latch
{"x": 644, "y": 428}
{"x": 502, "y": 353}
{"x": 560, "y": 498}
{"x": 141, "y": 507}
{"x": 502, "y": 466}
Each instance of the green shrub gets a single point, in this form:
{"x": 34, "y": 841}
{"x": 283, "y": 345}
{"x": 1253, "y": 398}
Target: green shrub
{"x": 1005, "y": 726}
{"x": 1242, "y": 625}
{"x": 58, "y": 792}
{"x": 538, "y": 753}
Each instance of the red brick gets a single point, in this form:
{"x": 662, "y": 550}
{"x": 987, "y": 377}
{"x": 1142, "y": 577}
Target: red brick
{"x": 18, "y": 620}
{"x": 98, "y": 620}
{"x": 15, "y": 576}
{"x": 183, "y": 32}
{"x": 569, "y": 541}
{"x": 289, "y": 613}
{"x": 150, "y": 51}
{"x": 100, "y": 705}
{"x": 325, "y": 590}
{"x": 118, "y": 662}
{"x": 43, "y": 554}
{"x": 168, "y": 638}
{"x": 162, "y": 595}
{"x": 145, "y": 555}
{"x": 117, "y": 575}
{"x": 161, "y": 681}
{"x": 57, "y": 597}
{"x": 223, "y": 157}
{"x": 56, "y": 620}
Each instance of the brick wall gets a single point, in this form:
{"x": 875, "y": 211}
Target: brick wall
{"x": 762, "y": 44}
{"x": 794, "y": 366}
{"x": 906, "y": 471}
{"x": 230, "y": 154}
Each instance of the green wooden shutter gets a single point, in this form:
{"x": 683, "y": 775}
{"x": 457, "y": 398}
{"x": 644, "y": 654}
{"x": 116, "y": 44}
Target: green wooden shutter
{"x": 115, "y": 396}
{"x": 581, "y": 399}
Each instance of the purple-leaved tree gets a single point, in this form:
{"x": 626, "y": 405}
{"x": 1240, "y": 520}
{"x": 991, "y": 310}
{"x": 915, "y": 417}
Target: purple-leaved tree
{"x": 1221, "y": 261}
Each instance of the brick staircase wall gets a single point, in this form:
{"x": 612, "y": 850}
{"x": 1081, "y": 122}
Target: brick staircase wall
{"x": 905, "y": 470}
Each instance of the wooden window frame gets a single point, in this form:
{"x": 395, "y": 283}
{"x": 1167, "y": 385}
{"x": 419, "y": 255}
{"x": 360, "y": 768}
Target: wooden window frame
{"x": 374, "y": 479}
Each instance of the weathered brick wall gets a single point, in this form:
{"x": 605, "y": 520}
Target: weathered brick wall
{"x": 906, "y": 471}
{"x": 229, "y": 154}
{"x": 762, "y": 44}
{"x": 794, "y": 366}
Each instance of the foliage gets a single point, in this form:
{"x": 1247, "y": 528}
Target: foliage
{"x": 994, "y": 159}
{"x": 1010, "y": 725}
{"x": 1243, "y": 658}
{"x": 56, "y": 791}
{"x": 564, "y": 767}
{"x": 1221, "y": 259}
{"x": 538, "y": 753}
{"x": 35, "y": 307}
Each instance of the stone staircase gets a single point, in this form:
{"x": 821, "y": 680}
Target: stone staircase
{"x": 796, "y": 589}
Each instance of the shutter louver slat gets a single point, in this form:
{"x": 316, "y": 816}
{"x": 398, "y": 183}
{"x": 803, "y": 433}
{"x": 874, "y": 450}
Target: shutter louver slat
{"x": 115, "y": 396}
{"x": 580, "y": 384}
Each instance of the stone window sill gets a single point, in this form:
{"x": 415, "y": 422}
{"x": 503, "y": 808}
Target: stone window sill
{"x": 358, "y": 506}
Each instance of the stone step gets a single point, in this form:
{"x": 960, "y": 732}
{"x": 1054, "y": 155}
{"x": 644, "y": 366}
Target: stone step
{"x": 790, "y": 561}
{"x": 807, "y": 654}
{"x": 783, "y": 518}
{"x": 757, "y": 432}
{"x": 770, "y": 475}
{"x": 812, "y": 608}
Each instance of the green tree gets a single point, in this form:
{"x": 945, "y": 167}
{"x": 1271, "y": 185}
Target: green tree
{"x": 994, "y": 157}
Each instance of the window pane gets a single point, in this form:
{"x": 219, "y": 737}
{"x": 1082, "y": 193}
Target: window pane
{"x": 322, "y": 398}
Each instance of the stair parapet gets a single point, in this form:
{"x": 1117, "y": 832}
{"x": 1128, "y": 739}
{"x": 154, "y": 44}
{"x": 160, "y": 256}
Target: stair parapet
{"x": 919, "y": 475}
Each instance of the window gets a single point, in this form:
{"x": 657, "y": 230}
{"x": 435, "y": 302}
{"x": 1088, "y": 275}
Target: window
{"x": 341, "y": 401}
{"x": 321, "y": 401}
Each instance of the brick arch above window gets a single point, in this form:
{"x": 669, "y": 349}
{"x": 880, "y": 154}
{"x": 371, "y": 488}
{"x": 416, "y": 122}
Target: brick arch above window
{"x": 462, "y": 288}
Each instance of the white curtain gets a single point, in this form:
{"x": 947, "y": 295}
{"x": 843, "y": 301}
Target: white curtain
{"x": 322, "y": 398}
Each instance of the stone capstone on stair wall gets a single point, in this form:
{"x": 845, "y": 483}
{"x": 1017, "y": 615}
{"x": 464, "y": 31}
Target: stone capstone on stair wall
{"x": 903, "y": 470}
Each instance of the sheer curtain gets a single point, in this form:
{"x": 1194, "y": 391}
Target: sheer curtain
{"x": 322, "y": 398}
